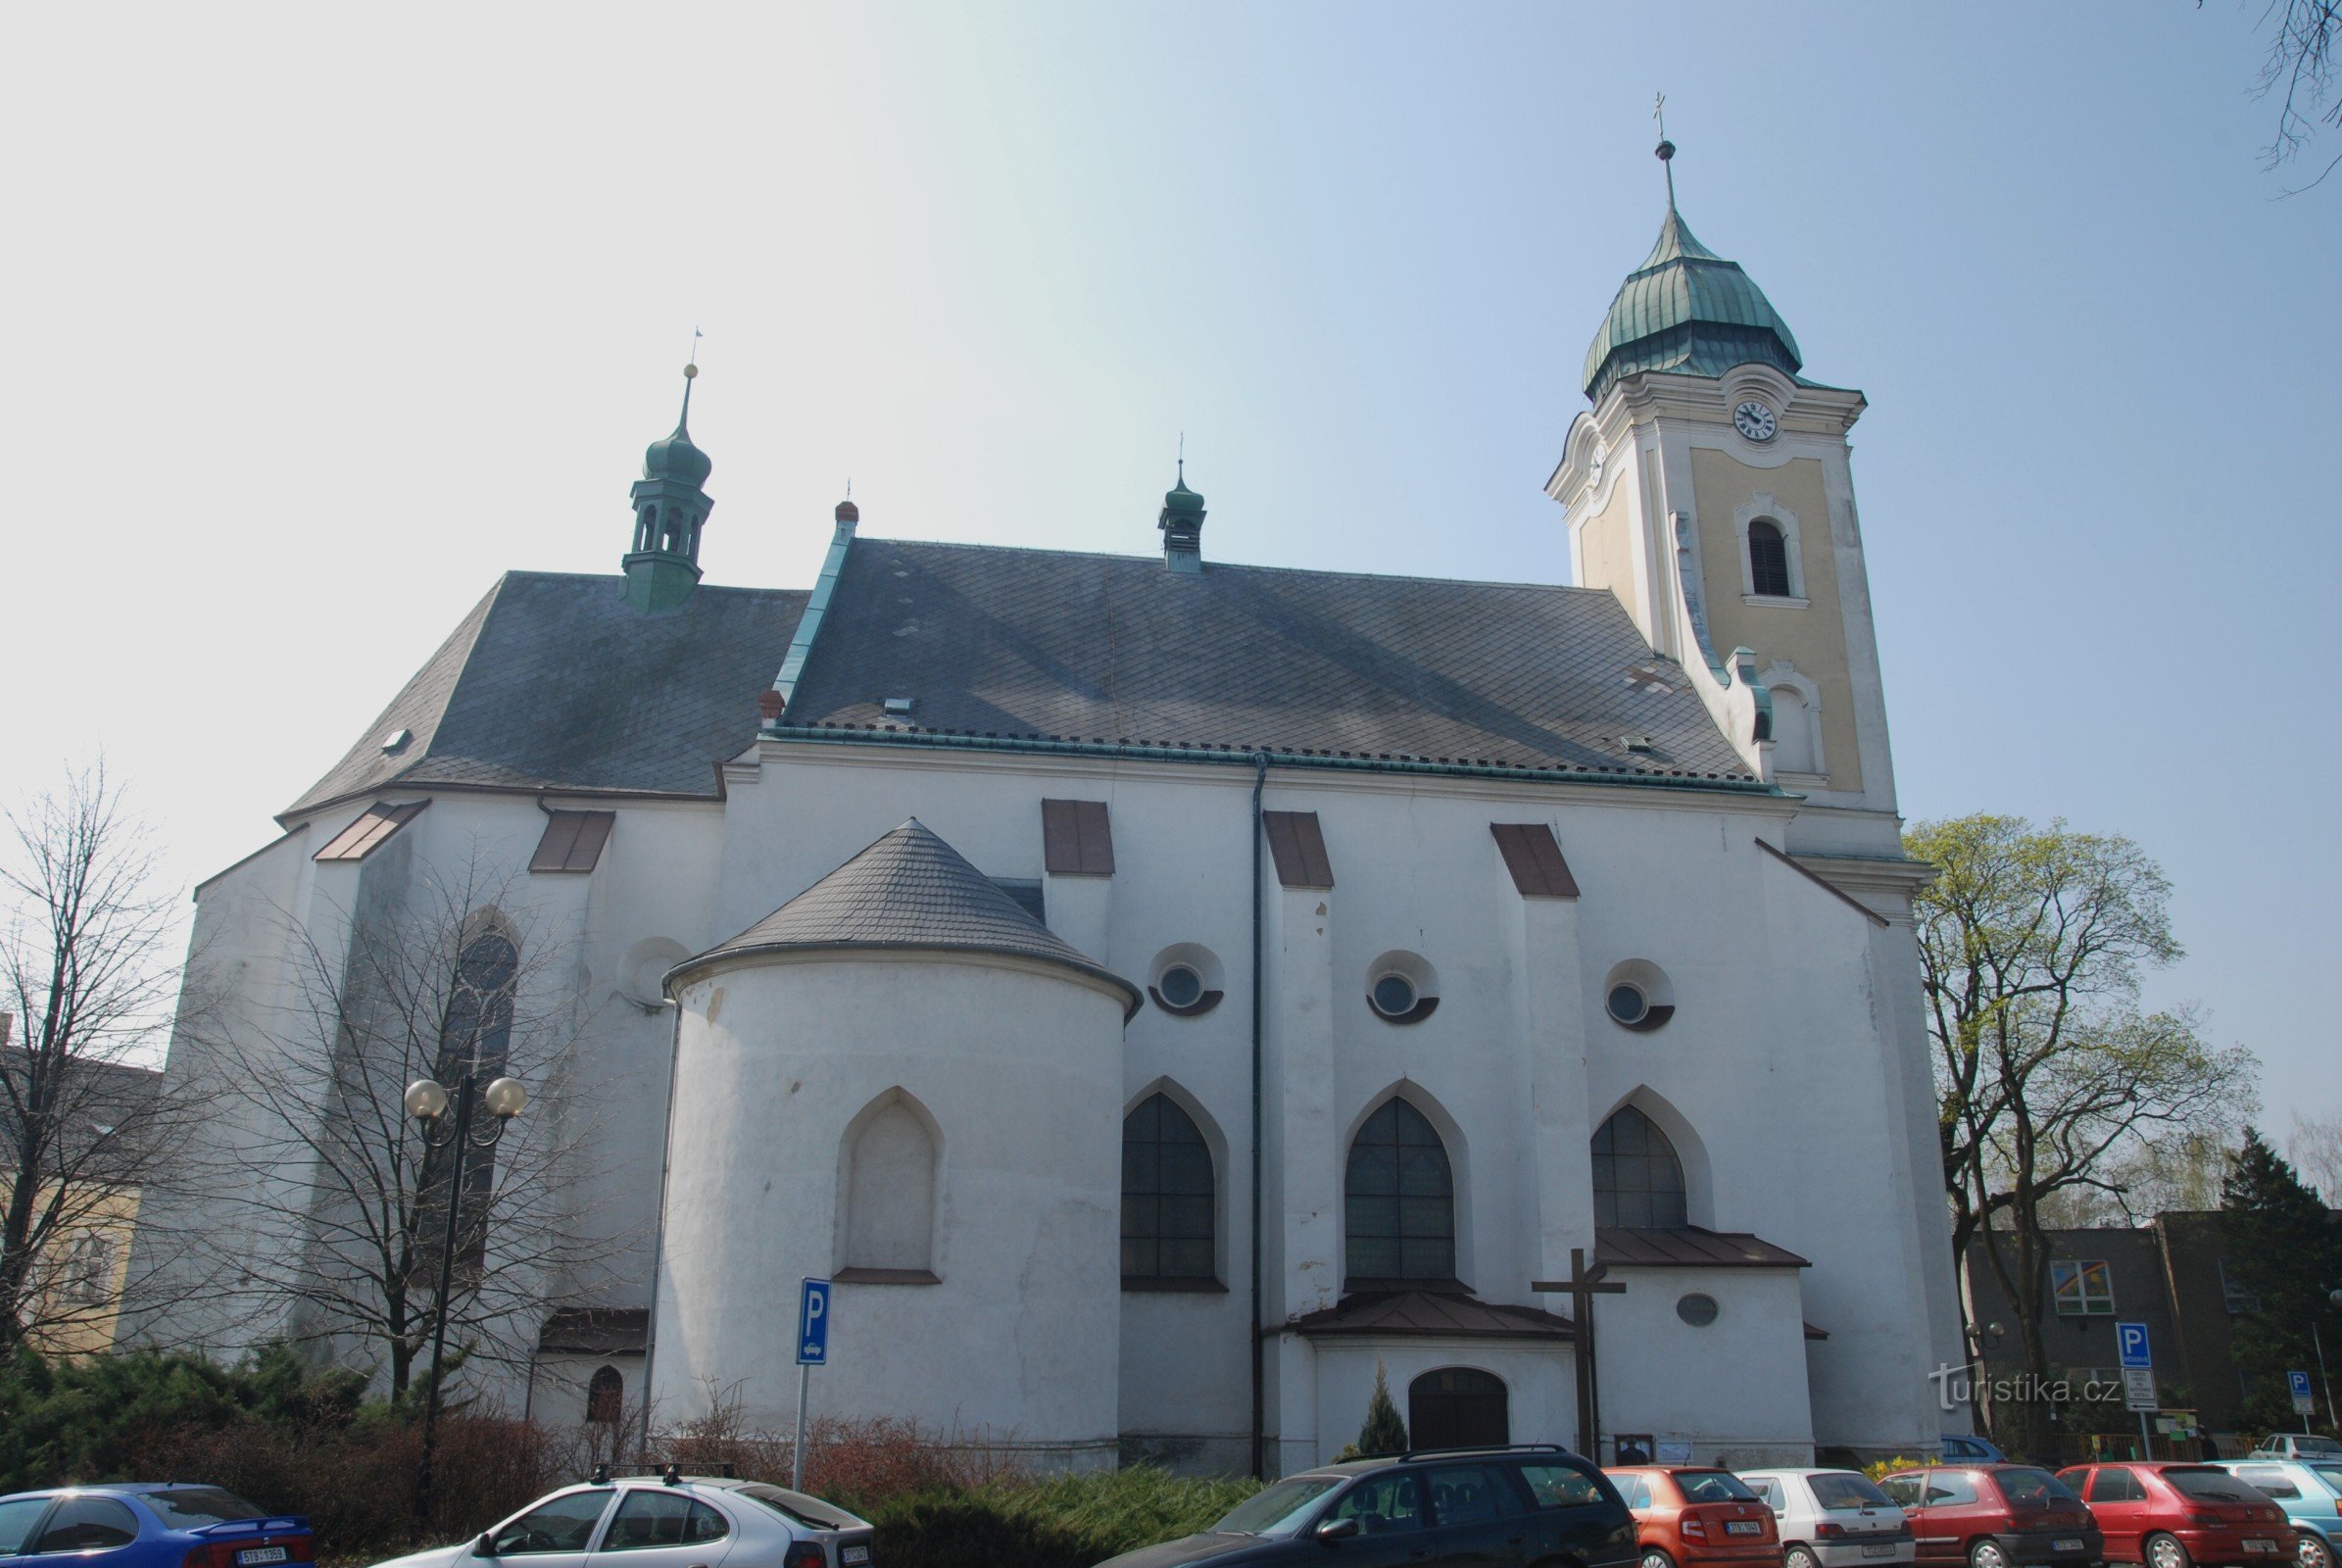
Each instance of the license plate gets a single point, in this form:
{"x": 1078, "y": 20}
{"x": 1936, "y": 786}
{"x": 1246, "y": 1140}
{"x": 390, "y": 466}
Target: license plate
{"x": 253, "y": 1554}
{"x": 2260, "y": 1546}
{"x": 854, "y": 1554}
{"x": 2067, "y": 1544}
{"x": 1742, "y": 1527}
{"x": 1877, "y": 1549}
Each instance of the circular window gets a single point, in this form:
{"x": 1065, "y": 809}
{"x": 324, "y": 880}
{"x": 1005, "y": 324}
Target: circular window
{"x": 1181, "y": 986}
{"x": 1393, "y": 996}
{"x": 1696, "y": 1309}
{"x": 1627, "y": 1005}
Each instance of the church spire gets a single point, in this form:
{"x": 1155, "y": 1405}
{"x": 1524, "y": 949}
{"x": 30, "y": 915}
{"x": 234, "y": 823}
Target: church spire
{"x": 1181, "y": 521}
{"x": 671, "y": 507}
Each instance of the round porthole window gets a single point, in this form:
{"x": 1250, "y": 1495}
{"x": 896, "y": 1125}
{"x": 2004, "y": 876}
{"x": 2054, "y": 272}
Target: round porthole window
{"x": 1627, "y": 1005}
{"x": 1697, "y": 1309}
{"x": 1181, "y": 986}
{"x": 1393, "y": 996}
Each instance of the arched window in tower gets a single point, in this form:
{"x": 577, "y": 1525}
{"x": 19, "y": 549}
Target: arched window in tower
{"x": 1638, "y": 1182}
{"x": 605, "y": 1397}
{"x": 1167, "y": 1195}
{"x": 890, "y": 1192}
{"x": 1793, "y": 750}
{"x": 1398, "y": 1199}
{"x": 475, "y": 1038}
{"x": 1769, "y": 560}
{"x": 646, "y": 533}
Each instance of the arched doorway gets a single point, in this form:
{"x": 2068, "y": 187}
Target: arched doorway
{"x": 1457, "y": 1408}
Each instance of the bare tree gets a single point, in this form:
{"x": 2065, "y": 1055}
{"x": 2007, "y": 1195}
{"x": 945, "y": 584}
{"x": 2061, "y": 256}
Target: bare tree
{"x": 2314, "y": 1147}
{"x": 2300, "y": 74}
{"x": 317, "y": 1149}
{"x": 2051, "y": 1084}
{"x": 85, "y": 1132}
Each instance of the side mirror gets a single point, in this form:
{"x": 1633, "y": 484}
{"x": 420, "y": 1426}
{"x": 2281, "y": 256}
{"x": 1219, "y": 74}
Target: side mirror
{"x": 1333, "y": 1529}
{"x": 485, "y": 1547}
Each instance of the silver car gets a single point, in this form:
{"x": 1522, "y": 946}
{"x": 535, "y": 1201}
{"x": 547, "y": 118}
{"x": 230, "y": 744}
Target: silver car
{"x": 1833, "y": 1519}
{"x": 664, "y": 1522}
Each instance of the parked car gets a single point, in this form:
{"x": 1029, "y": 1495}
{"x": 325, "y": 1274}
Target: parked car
{"x": 2179, "y": 1516}
{"x": 1692, "y": 1517}
{"x": 1959, "y": 1447}
{"x": 1833, "y": 1518}
{"x": 1505, "y": 1507}
{"x": 1994, "y": 1516}
{"x": 2310, "y": 1493}
{"x": 149, "y": 1526}
{"x": 2296, "y": 1446}
{"x": 668, "y": 1521}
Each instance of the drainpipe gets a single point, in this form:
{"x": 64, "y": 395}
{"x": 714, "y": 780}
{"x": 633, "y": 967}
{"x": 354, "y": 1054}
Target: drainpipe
{"x": 1260, "y": 779}
{"x": 666, "y": 1163}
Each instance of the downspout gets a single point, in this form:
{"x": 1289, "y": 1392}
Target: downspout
{"x": 1260, "y": 779}
{"x": 666, "y": 1163}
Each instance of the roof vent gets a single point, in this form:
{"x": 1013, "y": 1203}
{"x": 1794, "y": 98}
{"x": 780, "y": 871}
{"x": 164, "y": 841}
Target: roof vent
{"x": 1636, "y": 742}
{"x": 396, "y": 740}
{"x": 897, "y": 704}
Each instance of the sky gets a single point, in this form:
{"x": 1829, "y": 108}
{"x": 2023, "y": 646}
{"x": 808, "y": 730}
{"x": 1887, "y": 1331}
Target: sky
{"x": 323, "y": 317}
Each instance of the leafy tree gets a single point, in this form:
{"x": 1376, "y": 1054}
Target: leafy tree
{"x": 2051, "y": 1082}
{"x": 2284, "y": 1255}
{"x": 1384, "y": 1432}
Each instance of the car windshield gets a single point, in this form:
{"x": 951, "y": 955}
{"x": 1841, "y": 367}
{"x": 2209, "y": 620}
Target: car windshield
{"x": 195, "y": 1507}
{"x": 1713, "y": 1485}
{"x": 2035, "y": 1486}
{"x": 1843, "y": 1488}
{"x": 1277, "y": 1511}
{"x": 2210, "y": 1485}
{"x": 798, "y": 1509}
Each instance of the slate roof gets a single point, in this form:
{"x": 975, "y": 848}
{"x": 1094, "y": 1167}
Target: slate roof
{"x": 911, "y": 891}
{"x": 1433, "y": 1314}
{"x": 1033, "y": 644}
{"x": 1692, "y": 1248}
{"x": 552, "y": 682}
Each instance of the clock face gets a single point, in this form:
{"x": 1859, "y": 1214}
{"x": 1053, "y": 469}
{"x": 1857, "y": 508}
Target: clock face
{"x": 1754, "y": 421}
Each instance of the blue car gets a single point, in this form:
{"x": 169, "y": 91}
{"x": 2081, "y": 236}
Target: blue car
{"x": 1960, "y": 1448}
{"x": 134, "y": 1526}
{"x": 2310, "y": 1493}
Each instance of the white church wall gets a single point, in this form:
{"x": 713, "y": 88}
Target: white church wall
{"x": 1018, "y": 1068}
{"x": 1540, "y": 1380}
{"x": 1734, "y": 1388}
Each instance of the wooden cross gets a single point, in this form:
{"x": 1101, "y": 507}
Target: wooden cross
{"x": 1582, "y": 1286}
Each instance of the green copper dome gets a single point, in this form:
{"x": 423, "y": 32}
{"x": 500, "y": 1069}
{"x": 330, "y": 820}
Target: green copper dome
{"x": 1688, "y": 311}
{"x": 675, "y": 458}
{"x": 1181, "y": 502}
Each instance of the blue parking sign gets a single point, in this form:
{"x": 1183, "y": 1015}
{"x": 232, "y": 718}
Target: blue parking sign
{"x": 813, "y": 1325}
{"x": 2130, "y": 1342}
{"x": 2298, "y": 1382}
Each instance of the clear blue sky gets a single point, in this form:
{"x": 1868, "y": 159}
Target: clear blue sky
{"x": 321, "y": 318}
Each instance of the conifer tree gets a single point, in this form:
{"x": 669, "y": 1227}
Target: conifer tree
{"x": 1384, "y": 1432}
{"x": 2283, "y": 1254}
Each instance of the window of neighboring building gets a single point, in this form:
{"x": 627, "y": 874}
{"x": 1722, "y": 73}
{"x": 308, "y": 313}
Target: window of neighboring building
{"x": 2082, "y": 1288}
{"x": 1167, "y": 1195}
{"x": 606, "y": 1395}
{"x": 1638, "y": 1181}
{"x": 2238, "y": 1301}
{"x": 1769, "y": 560}
{"x": 1399, "y": 1200}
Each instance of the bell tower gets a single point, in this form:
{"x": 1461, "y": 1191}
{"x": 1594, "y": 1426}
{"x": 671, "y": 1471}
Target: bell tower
{"x": 1709, "y": 486}
{"x": 671, "y": 507}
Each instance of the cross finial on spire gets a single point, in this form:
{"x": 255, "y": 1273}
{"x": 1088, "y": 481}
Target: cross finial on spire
{"x": 1183, "y": 457}
{"x": 1666, "y": 148}
{"x": 691, "y": 373}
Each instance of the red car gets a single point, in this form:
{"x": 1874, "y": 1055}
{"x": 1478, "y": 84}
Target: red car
{"x": 1687, "y": 1518}
{"x": 2178, "y": 1515}
{"x": 1995, "y": 1516}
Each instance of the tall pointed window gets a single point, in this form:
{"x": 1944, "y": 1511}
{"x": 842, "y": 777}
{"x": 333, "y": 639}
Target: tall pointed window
{"x": 1638, "y": 1182}
{"x": 890, "y": 1194}
{"x": 476, "y": 1037}
{"x": 1398, "y": 1201}
{"x": 1167, "y": 1197}
{"x": 1769, "y": 560}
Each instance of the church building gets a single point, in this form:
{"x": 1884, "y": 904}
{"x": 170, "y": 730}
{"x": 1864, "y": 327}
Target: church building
{"x": 1159, "y": 992}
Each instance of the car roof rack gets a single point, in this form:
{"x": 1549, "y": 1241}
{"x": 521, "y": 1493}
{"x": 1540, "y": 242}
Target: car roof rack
{"x": 670, "y": 1472}
{"x": 1475, "y": 1447}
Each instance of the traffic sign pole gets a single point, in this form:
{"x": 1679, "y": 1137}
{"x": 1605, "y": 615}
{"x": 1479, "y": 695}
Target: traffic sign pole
{"x": 797, "y": 1454}
{"x": 2138, "y": 1379}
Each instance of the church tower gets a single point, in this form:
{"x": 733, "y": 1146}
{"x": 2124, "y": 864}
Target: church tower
{"x": 1709, "y": 487}
{"x": 670, "y": 505}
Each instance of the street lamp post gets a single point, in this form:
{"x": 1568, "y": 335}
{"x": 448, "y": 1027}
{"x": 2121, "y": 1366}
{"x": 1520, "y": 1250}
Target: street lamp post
{"x": 428, "y": 1103}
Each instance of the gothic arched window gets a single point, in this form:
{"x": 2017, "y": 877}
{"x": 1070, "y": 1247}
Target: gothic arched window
{"x": 476, "y": 1037}
{"x": 889, "y": 1192}
{"x": 1167, "y": 1195}
{"x": 1398, "y": 1199}
{"x": 1769, "y": 560}
{"x": 606, "y": 1395}
{"x": 1638, "y": 1182}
